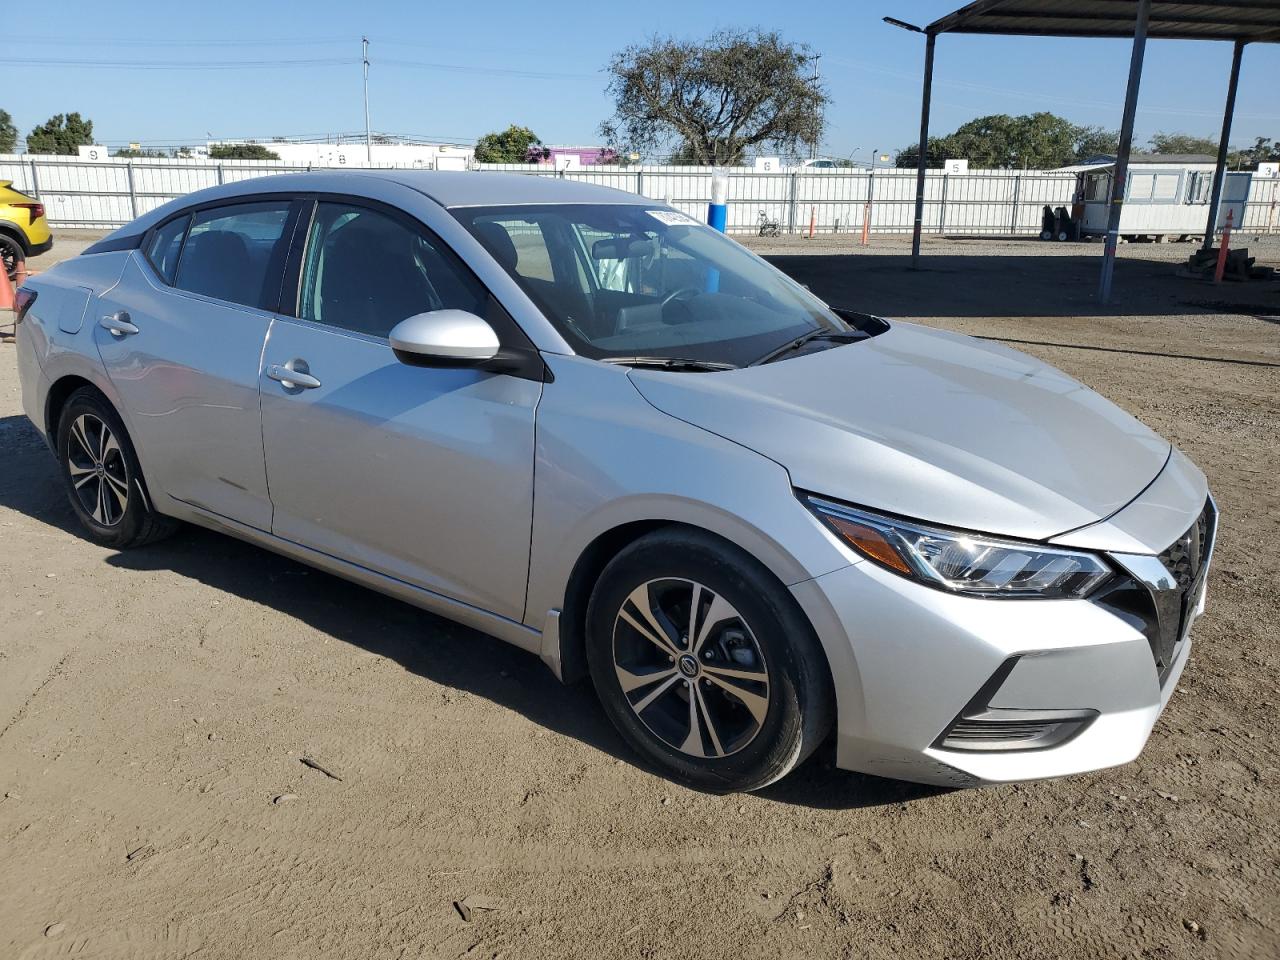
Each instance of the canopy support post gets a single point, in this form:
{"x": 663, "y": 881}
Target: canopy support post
{"x": 1120, "y": 175}
{"x": 1220, "y": 172}
{"x": 923, "y": 159}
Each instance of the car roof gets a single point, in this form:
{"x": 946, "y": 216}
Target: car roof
{"x": 447, "y": 188}
{"x": 460, "y": 188}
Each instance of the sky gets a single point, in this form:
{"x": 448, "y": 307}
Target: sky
{"x": 182, "y": 73}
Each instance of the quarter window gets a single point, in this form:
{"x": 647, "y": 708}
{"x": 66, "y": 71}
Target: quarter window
{"x": 366, "y": 271}
{"x": 165, "y": 245}
{"x": 235, "y": 253}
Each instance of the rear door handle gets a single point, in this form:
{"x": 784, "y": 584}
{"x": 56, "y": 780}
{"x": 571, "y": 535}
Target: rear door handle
{"x": 119, "y": 324}
{"x": 290, "y": 378}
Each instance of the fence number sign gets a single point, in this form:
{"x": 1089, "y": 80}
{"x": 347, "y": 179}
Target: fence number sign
{"x": 768, "y": 164}
{"x": 958, "y": 167}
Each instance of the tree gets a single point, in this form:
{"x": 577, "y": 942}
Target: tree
{"x": 8, "y": 133}
{"x": 512, "y": 145}
{"x": 1035, "y": 141}
{"x": 1262, "y": 151}
{"x": 61, "y": 134}
{"x": 713, "y": 101}
{"x": 241, "y": 151}
{"x": 1183, "y": 143}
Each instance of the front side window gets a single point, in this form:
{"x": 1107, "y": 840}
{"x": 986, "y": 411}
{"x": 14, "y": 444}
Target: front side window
{"x": 235, "y": 253}
{"x": 165, "y": 245}
{"x": 621, "y": 281}
{"x": 366, "y": 271}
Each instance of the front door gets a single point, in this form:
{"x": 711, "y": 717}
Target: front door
{"x": 181, "y": 336}
{"x": 422, "y": 474}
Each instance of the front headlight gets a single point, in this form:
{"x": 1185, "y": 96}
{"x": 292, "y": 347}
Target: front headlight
{"x": 962, "y": 562}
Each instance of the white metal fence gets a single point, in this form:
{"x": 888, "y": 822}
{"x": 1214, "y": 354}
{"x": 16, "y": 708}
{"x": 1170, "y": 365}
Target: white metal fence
{"x": 109, "y": 193}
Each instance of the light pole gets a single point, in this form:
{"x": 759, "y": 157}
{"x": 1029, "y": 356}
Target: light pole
{"x": 368, "y": 137}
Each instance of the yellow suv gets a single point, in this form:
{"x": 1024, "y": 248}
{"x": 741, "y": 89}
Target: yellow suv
{"x": 24, "y": 232}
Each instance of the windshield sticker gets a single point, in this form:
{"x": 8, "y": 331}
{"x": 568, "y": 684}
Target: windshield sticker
{"x": 672, "y": 218}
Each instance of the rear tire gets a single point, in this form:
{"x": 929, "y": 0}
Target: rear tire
{"x": 705, "y": 663}
{"x": 11, "y": 254}
{"x": 102, "y": 476}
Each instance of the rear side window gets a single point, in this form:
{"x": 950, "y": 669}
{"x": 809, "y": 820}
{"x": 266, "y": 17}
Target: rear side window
{"x": 165, "y": 245}
{"x": 235, "y": 253}
{"x": 366, "y": 271}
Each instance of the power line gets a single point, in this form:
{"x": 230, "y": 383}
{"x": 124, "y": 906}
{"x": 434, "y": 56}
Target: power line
{"x": 468, "y": 68}
{"x": 55, "y": 40}
{"x": 187, "y": 64}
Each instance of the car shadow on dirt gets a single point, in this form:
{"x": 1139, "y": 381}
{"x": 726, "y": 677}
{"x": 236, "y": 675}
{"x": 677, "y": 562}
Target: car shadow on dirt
{"x": 432, "y": 647}
{"x": 1014, "y": 285}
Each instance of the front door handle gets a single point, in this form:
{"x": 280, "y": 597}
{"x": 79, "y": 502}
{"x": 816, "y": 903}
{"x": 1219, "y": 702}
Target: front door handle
{"x": 291, "y": 378}
{"x": 119, "y": 324}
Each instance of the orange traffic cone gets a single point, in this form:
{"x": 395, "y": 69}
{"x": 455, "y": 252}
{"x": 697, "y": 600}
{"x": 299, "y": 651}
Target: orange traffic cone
{"x": 6, "y": 290}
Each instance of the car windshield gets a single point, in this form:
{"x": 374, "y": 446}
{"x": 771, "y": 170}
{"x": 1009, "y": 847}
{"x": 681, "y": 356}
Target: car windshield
{"x": 623, "y": 281}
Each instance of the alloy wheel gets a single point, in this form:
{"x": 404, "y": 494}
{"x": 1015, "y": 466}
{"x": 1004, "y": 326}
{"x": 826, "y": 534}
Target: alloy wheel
{"x": 99, "y": 475}
{"x": 9, "y": 255}
{"x": 690, "y": 667}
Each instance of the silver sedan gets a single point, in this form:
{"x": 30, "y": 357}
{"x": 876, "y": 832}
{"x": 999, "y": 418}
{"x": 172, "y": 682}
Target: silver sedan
{"x": 580, "y": 421}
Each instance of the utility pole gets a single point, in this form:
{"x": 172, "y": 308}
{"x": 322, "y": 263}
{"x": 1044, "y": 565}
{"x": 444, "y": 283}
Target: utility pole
{"x": 817, "y": 83}
{"x": 368, "y": 136}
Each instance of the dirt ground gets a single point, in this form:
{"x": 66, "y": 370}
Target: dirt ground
{"x": 156, "y": 708}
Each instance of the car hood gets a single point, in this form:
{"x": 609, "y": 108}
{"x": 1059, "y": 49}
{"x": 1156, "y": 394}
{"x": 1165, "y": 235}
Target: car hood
{"x": 930, "y": 425}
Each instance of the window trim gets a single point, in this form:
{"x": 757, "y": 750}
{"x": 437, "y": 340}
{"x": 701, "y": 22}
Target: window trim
{"x": 286, "y": 234}
{"x": 149, "y": 237}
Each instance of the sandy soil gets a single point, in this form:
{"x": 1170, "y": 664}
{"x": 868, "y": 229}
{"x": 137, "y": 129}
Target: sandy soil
{"x": 156, "y": 708}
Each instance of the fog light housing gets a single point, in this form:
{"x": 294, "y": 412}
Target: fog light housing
{"x": 982, "y": 728}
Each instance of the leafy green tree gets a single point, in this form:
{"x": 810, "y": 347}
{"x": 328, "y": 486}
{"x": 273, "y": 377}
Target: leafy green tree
{"x": 8, "y": 133}
{"x": 241, "y": 151}
{"x": 1183, "y": 143}
{"x": 711, "y": 102}
{"x": 512, "y": 145}
{"x": 61, "y": 134}
{"x": 1263, "y": 150}
{"x": 1036, "y": 141}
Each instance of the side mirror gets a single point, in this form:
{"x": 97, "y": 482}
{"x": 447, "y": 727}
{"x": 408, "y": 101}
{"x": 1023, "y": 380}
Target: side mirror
{"x": 444, "y": 338}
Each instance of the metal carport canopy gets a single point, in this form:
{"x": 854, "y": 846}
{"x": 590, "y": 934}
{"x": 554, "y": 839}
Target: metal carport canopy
{"x": 1238, "y": 21}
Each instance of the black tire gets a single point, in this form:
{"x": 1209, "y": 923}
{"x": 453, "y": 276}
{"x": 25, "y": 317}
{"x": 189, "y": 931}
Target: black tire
{"x": 107, "y": 492}
{"x": 800, "y": 701}
{"x": 11, "y": 254}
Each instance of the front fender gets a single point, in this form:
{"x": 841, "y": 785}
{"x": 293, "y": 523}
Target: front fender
{"x": 607, "y": 458}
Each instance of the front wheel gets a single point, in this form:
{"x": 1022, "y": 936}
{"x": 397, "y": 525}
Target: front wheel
{"x": 102, "y": 476}
{"x": 705, "y": 664}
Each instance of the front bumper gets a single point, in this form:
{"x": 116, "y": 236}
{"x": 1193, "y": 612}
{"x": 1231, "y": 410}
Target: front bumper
{"x": 921, "y": 657}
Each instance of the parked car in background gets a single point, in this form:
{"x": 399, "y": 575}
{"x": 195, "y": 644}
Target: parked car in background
{"x": 24, "y": 232}
{"x": 580, "y": 421}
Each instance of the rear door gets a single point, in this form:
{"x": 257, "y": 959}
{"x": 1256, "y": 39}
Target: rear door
{"x": 181, "y": 335}
{"x": 422, "y": 474}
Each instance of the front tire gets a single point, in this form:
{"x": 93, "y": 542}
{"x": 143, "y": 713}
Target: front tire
{"x": 705, "y": 664}
{"x": 102, "y": 477}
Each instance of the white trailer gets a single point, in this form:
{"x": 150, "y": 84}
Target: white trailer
{"x": 1167, "y": 197}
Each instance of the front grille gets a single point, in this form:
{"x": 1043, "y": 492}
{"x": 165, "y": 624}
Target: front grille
{"x": 1160, "y": 602}
{"x": 1187, "y": 560}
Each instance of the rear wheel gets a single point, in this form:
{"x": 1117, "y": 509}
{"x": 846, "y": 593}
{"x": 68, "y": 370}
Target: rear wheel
{"x": 705, "y": 664}
{"x": 102, "y": 476}
{"x": 11, "y": 254}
